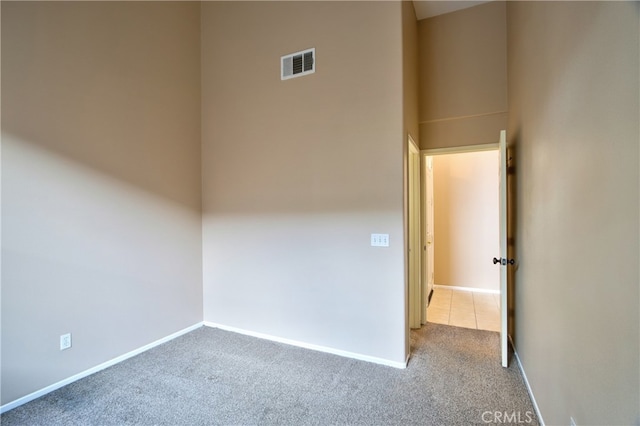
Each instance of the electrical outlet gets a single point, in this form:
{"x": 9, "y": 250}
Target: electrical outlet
{"x": 65, "y": 341}
{"x": 380, "y": 240}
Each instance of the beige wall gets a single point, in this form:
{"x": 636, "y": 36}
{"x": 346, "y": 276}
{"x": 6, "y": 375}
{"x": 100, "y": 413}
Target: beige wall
{"x": 463, "y": 76}
{"x": 410, "y": 70}
{"x": 297, "y": 174}
{"x": 573, "y": 103}
{"x": 100, "y": 183}
{"x": 466, "y": 219}
{"x": 410, "y": 115}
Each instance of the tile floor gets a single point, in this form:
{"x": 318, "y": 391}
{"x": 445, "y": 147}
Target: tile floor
{"x": 465, "y": 309}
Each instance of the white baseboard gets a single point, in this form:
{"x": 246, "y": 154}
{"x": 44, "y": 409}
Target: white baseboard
{"x": 310, "y": 346}
{"x": 58, "y": 385}
{"x": 470, "y": 289}
{"x": 526, "y": 382}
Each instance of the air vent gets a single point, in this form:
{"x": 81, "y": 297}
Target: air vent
{"x": 298, "y": 64}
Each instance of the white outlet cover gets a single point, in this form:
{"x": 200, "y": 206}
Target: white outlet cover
{"x": 65, "y": 341}
{"x": 380, "y": 240}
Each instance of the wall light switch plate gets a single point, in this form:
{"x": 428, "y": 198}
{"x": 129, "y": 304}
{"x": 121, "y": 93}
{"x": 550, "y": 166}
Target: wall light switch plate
{"x": 380, "y": 240}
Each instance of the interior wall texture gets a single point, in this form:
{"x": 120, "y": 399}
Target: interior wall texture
{"x": 298, "y": 173}
{"x": 463, "y": 76}
{"x": 101, "y": 197}
{"x": 574, "y": 131}
{"x": 466, "y": 232}
{"x": 410, "y": 70}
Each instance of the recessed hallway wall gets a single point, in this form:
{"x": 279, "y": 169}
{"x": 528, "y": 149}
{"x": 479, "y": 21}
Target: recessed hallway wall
{"x": 463, "y": 76}
{"x": 466, "y": 235}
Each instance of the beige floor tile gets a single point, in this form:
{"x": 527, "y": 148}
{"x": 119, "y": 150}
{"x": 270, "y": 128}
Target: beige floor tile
{"x": 438, "y": 311}
{"x": 487, "y": 306}
{"x": 441, "y": 315}
{"x": 439, "y": 302}
{"x": 438, "y": 319}
{"x": 483, "y": 318}
{"x": 482, "y": 309}
{"x": 465, "y": 309}
{"x": 433, "y": 307}
{"x": 485, "y": 298}
{"x": 463, "y": 306}
{"x": 463, "y": 321}
{"x": 461, "y": 314}
{"x": 462, "y": 295}
{"x": 488, "y": 321}
{"x": 444, "y": 306}
{"x": 487, "y": 324}
{"x": 496, "y": 298}
{"x": 440, "y": 298}
{"x": 495, "y": 316}
{"x": 461, "y": 302}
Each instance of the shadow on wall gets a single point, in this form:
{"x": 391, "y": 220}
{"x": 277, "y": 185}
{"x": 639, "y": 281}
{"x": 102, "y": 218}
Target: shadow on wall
{"x": 87, "y": 82}
{"x": 512, "y": 228}
{"x": 101, "y": 196}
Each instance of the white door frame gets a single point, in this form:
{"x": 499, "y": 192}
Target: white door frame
{"x": 426, "y": 208}
{"x": 414, "y": 235}
{"x": 504, "y": 248}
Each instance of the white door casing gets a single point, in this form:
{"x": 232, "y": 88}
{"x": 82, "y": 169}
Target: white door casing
{"x": 504, "y": 262}
{"x": 427, "y": 235}
{"x": 414, "y": 235}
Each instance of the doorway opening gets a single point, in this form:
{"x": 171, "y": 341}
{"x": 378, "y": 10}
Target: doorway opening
{"x": 461, "y": 235}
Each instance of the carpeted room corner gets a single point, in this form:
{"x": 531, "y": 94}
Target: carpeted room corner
{"x": 215, "y": 377}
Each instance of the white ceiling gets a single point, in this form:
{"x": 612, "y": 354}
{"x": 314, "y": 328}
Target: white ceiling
{"x": 427, "y": 9}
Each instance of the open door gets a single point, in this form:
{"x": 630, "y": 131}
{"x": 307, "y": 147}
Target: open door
{"x": 503, "y": 261}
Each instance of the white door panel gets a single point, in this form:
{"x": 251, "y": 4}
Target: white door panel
{"x": 503, "y": 261}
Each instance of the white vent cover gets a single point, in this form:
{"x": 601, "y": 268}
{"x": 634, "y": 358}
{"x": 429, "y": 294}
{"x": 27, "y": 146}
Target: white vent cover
{"x": 298, "y": 64}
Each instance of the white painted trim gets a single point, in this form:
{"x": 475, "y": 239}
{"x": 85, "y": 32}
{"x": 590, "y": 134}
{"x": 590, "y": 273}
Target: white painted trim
{"x": 460, "y": 149}
{"x": 504, "y": 248}
{"x": 37, "y": 394}
{"x": 526, "y": 382}
{"x": 470, "y": 289}
{"x": 414, "y": 238}
{"x": 310, "y": 346}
